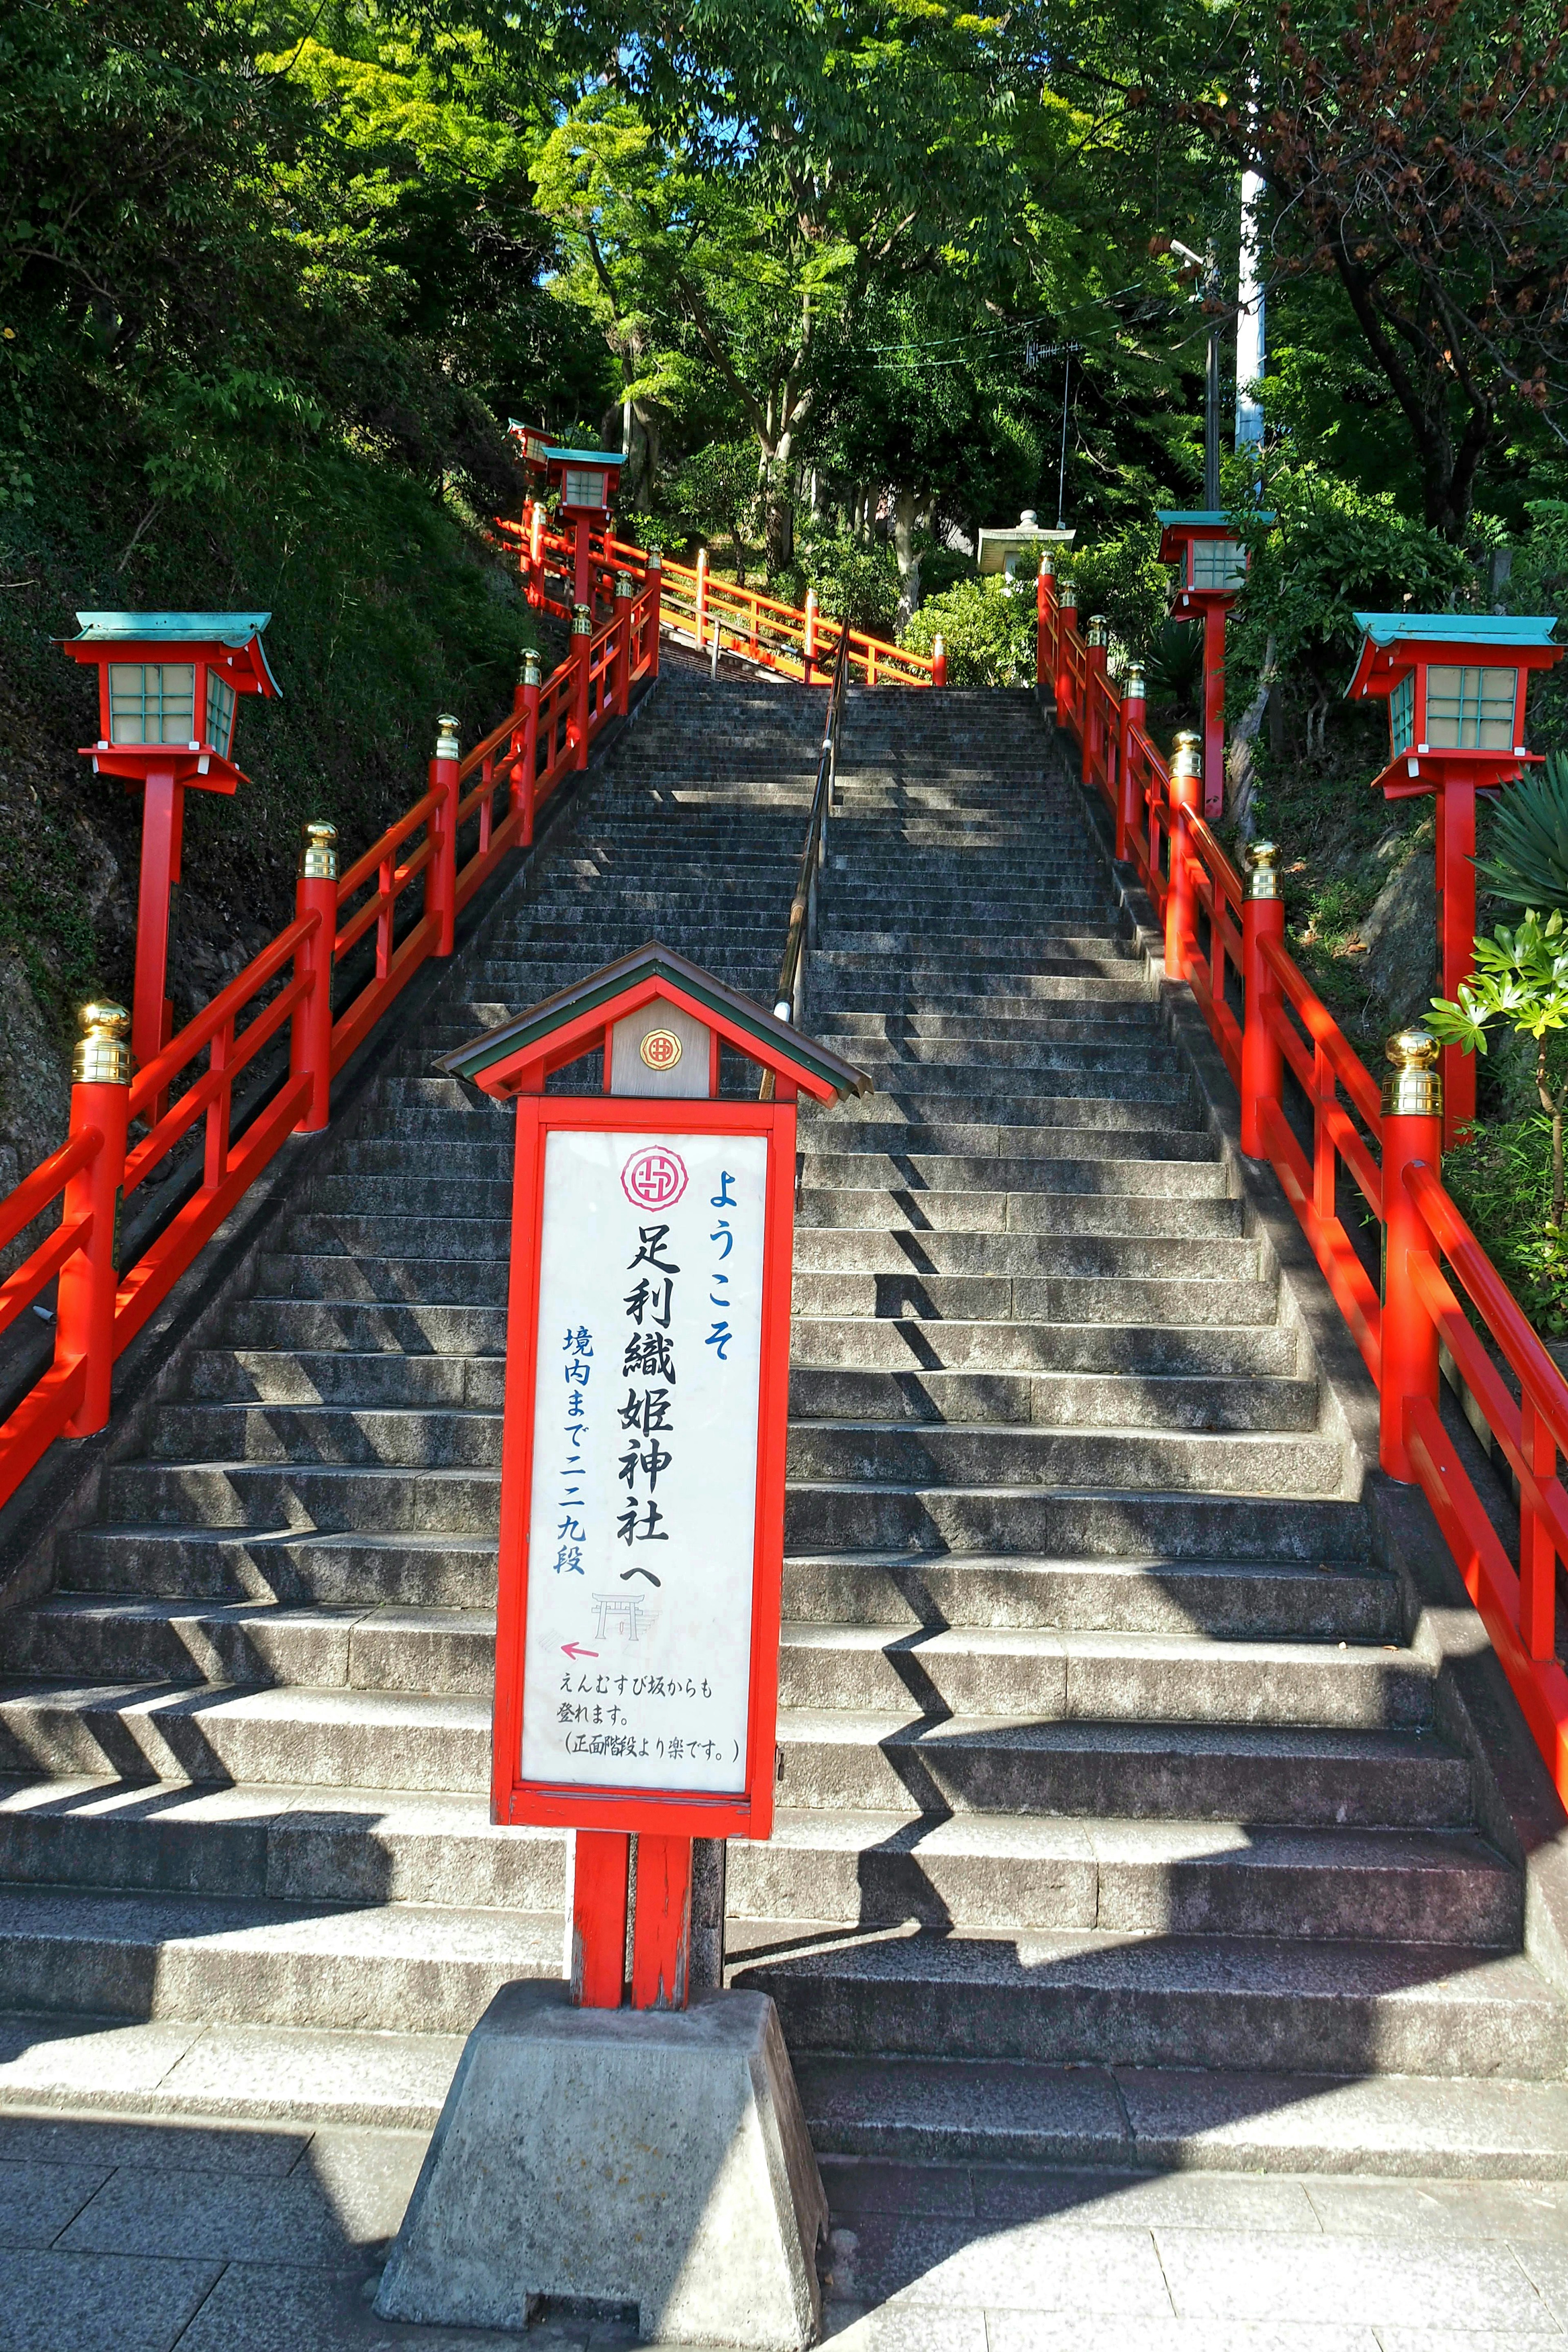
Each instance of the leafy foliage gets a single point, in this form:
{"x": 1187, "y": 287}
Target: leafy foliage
{"x": 987, "y": 627}
{"x": 1526, "y": 863}
{"x": 1521, "y": 980}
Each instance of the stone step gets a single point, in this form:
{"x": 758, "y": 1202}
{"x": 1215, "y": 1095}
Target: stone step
{"x": 412, "y": 1326}
{"x": 288, "y": 1735}
{"x": 408, "y": 1570}
{"x": 351, "y": 1847}
{"x": 883, "y": 1210}
{"x": 1035, "y": 1677}
{"x": 908, "y": 1341}
{"x": 1187, "y": 1169}
{"x": 1004, "y": 1871}
{"x": 1285, "y": 1775}
{"x": 367, "y": 1968}
{"x": 1119, "y": 1102}
{"x": 1089, "y": 1997}
{"x": 1106, "y": 1300}
{"x": 1185, "y": 2119}
{"x": 995, "y": 1459}
{"x": 847, "y": 1515}
{"x": 860, "y": 1250}
{"x": 1057, "y": 1400}
{"x": 128, "y": 1639}
{"x": 901, "y": 1146}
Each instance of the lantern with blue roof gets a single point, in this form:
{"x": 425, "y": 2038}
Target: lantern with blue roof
{"x": 1455, "y": 685}
{"x": 585, "y": 479}
{"x": 1213, "y": 573}
{"x": 169, "y": 688}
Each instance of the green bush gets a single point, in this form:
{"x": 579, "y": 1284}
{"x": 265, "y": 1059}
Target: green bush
{"x": 1123, "y": 577}
{"x": 988, "y": 628}
{"x": 855, "y": 579}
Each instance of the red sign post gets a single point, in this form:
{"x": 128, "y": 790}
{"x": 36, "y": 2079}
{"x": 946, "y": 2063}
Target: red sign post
{"x": 643, "y": 1455}
{"x": 1454, "y": 684}
{"x": 1213, "y": 571}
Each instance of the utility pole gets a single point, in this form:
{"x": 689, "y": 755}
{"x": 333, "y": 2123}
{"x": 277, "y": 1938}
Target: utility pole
{"x": 1251, "y": 342}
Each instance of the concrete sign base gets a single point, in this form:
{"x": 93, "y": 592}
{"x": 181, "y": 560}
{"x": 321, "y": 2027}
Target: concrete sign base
{"x": 649, "y": 2157}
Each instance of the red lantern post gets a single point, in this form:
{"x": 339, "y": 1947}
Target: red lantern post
{"x": 644, "y": 1436}
{"x": 168, "y": 687}
{"x": 1213, "y": 571}
{"x": 585, "y": 479}
{"x": 1454, "y": 684}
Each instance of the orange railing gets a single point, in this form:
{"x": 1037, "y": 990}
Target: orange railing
{"x": 799, "y": 642}
{"x": 1226, "y": 939}
{"x": 402, "y": 896}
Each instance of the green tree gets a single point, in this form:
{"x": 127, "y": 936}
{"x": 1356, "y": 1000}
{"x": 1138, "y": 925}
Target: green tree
{"x": 1521, "y": 981}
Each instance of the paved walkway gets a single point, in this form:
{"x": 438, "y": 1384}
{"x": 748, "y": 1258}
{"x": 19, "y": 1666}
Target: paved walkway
{"x": 129, "y": 2237}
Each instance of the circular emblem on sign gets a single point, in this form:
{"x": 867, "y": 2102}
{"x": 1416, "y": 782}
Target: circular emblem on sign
{"x": 661, "y": 1049}
{"x": 654, "y": 1177}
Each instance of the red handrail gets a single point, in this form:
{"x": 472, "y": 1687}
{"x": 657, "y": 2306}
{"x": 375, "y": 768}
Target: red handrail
{"x": 1227, "y": 943}
{"x": 103, "y": 1304}
{"x": 799, "y": 643}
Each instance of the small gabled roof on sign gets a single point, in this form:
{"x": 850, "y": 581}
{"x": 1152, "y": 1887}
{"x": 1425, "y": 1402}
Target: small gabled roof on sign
{"x": 240, "y": 631}
{"x": 1393, "y": 642}
{"x": 656, "y": 971}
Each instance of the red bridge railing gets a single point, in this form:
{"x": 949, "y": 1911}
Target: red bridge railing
{"x": 475, "y": 809}
{"x": 1225, "y": 938}
{"x": 799, "y": 642}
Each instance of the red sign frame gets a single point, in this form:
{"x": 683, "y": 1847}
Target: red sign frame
{"x": 670, "y": 1813}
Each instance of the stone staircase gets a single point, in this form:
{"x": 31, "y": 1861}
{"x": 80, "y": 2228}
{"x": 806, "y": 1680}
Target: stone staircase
{"x": 1112, "y": 1818}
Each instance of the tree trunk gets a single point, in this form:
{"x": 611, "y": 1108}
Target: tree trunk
{"x": 909, "y": 562}
{"x": 1555, "y": 1104}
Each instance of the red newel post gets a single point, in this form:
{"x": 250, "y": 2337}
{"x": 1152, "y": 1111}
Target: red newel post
{"x": 661, "y": 1923}
{"x": 582, "y": 655}
{"x": 441, "y": 876}
{"x": 655, "y": 592}
{"x": 536, "y": 556}
{"x": 702, "y": 594}
{"x": 621, "y": 692}
{"x": 938, "y": 661}
{"x": 1093, "y": 760}
{"x": 1412, "y": 1131}
{"x": 1186, "y": 801}
{"x": 101, "y": 1099}
{"x": 1262, "y": 1064}
{"x": 808, "y": 644}
{"x": 1044, "y": 608}
{"x": 525, "y": 770}
{"x": 1067, "y": 627}
{"x": 1129, "y": 816}
{"x": 310, "y": 1045}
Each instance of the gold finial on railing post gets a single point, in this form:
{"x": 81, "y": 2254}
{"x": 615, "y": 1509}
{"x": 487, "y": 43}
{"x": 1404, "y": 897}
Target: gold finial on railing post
{"x": 1415, "y": 1087}
{"x": 1187, "y": 755}
{"x": 449, "y": 743}
{"x": 102, "y": 1055}
{"x": 1066, "y": 599}
{"x": 1262, "y": 881}
{"x": 1134, "y": 685}
{"x": 318, "y": 851}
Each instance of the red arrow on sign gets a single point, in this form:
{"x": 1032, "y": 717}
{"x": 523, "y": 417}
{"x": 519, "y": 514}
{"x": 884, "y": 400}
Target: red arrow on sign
{"x": 572, "y": 1650}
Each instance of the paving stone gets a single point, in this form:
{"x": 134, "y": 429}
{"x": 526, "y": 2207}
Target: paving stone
{"x": 254, "y": 2308}
{"x": 907, "y": 2329}
{"x": 365, "y": 2179}
{"x": 1390, "y": 2124}
{"x": 1038, "y": 2331}
{"x": 1525, "y": 2212}
{"x": 38, "y": 2200}
{"x": 89, "y": 2144}
{"x": 1032, "y": 2265}
{"x": 861, "y": 2185}
{"x": 96, "y": 2302}
{"x": 400, "y": 2080}
{"x": 1140, "y": 2200}
{"x": 1221, "y": 2274}
{"x": 66, "y": 2061}
{"x": 233, "y": 2220}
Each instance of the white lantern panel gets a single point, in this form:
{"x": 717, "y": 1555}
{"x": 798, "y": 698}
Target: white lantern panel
{"x": 1470, "y": 710}
{"x": 152, "y": 702}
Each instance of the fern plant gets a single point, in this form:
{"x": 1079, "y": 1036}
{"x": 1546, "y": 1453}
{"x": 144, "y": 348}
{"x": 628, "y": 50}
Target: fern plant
{"x": 1527, "y": 859}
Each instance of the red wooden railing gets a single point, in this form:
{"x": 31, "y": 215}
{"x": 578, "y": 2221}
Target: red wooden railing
{"x": 448, "y": 843}
{"x": 800, "y": 642}
{"x": 1225, "y": 940}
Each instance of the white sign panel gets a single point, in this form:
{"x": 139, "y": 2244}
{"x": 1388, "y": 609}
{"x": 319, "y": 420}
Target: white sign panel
{"x": 638, "y": 1663}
